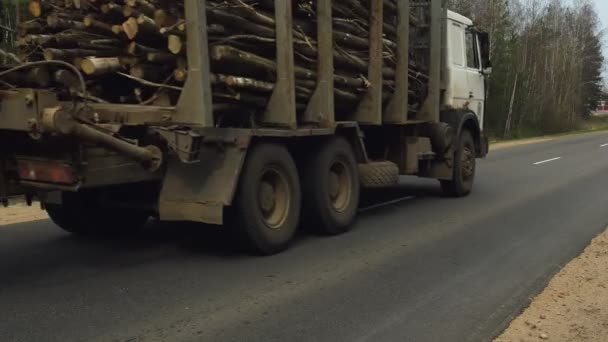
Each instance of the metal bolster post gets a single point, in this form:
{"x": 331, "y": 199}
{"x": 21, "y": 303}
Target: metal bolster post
{"x": 397, "y": 110}
{"x": 444, "y": 48}
{"x": 430, "y": 111}
{"x": 281, "y": 110}
{"x": 370, "y": 109}
{"x": 320, "y": 109}
{"x": 195, "y": 102}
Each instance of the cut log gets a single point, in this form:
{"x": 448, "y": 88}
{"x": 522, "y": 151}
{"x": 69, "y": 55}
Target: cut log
{"x": 69, "y": 54}
{"x": 176, "y": 45}
{"x": 100, "y": 66}
{"x": 37, "y": 8}
{"x": 164, "y": 19}
{"x": 161, "y": 57}
{"x": 150, "y": 72}
{"x": 90, "y": 21}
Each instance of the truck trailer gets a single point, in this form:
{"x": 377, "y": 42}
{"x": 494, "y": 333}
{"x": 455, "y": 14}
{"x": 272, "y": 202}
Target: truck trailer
{"x": 260, "y": 168}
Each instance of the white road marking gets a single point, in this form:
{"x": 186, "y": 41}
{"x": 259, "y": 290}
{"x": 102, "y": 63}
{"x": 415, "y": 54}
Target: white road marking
{"x": 384, "y": 204}
{"x": 547, "y": 161}
{"x": 605, "y": 145}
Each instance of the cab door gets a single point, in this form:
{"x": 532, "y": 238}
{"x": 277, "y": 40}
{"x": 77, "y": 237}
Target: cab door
{"x": 475, "y": 77}
{"x": 457, "y": 66}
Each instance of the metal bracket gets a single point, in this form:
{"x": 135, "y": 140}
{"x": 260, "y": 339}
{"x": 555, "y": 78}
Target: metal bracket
{"x": 397, "y": 110}
{"x": 195, "y": 104}
{"x": 186, "y": 144}
{"x": 431, "y": 107}
{"x": 281, "y": 109}
{"x": 320, "y": 109}
{"x": 369, "y": 111}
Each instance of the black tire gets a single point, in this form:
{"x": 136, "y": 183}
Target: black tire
{"x": 266, "y": 210}
{"x": 377, "y": 175}
{"x": 331, "y": 187}
{"x": 80, "y": 215}
{"x": 464, "y": 168}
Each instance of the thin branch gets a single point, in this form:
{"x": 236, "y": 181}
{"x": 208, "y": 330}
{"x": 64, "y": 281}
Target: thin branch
{"x": 148, "y": 83}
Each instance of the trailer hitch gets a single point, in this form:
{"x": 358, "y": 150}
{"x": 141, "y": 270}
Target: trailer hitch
{"x": 61, "y": 121}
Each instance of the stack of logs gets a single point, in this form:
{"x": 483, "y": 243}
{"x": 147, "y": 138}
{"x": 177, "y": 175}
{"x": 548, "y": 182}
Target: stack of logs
{"x": 134, "y": 51}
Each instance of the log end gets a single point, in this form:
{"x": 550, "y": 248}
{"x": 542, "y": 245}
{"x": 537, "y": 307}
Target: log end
{"x": 35, "y": 8}
{"x": 175, "y": 44}
{"x": 87, "y": 66}
{"x": 180, "y": 75}
{"x": 48, "y": 54}
{"x": 117, "y": 29}
{"x": 128, "y": 11}
{"x": 131, "y": 28}
{"x": 88, "y": 20}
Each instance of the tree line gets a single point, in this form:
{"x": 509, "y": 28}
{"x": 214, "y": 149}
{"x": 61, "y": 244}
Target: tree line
{"x": 547, "y": 63}
{"x": 547, "y": 58}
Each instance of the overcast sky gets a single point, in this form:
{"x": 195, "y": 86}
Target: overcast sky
{"x": 602, "y": 7}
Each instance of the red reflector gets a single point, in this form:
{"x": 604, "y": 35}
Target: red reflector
{"x": 49, "y": 172}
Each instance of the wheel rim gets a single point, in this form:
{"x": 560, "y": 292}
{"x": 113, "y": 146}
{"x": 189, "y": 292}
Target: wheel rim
{"x": 340, "y": 186}
{"x": 468, "y": 162}
{"x": 274, "y": 197}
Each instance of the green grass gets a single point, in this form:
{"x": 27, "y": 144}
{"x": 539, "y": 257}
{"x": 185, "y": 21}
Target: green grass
{"x": 593, "y": 124}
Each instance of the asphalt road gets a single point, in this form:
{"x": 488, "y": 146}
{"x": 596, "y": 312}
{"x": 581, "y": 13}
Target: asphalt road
{"x": 424, "y": 269}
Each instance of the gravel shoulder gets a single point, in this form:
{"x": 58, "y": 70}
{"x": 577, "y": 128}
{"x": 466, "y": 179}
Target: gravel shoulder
{"x": 573, "y": 307}
{"x": 20, "y": 212}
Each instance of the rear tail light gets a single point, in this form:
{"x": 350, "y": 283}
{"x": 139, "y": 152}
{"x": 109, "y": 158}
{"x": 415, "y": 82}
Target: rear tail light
{"x": 47, "y": 172}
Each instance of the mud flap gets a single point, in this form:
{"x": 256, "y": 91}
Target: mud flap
{"x": 199, "y": 192}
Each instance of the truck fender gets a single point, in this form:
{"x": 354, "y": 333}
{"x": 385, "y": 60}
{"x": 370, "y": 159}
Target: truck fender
{"x": 199, "y": 192}
{"x": 461, "y": 120}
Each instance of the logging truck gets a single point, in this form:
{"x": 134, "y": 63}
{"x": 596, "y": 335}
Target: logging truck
{"x": 261, "y": 142}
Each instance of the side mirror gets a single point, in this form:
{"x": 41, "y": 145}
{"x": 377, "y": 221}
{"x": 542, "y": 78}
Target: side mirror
{"x": 484, "y": 46}
{"x": 486, "y": 71}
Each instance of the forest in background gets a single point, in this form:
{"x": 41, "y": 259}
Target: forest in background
{"x": 546, "y": 54}
{"x": 547, "y": 63}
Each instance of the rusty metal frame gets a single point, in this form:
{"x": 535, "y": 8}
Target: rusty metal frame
{"x": 195, "y": 106}
{"x": 281, "y": 109}
{"x": 397, "y": 110}
{"x": 431, "y": 107}
{"x": 369, "y": 111}
{"x": 320, "y": 109}
{"x": 199, "y": 192}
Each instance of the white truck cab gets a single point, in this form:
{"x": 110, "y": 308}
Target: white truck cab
{"x": 466, "y": 64}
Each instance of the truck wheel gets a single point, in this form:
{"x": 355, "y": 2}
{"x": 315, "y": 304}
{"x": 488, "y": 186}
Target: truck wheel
{"x": 78, "y": 214}
{"x": 464, "y": 168}
{"x": 331, "y": 187}
{"x": 268, "y": 202}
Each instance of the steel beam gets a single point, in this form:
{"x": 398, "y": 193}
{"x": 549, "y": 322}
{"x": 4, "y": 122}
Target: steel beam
{"x": 195, "y": 105}
{"x": 369, "y": 111}
{"x": 281, "y": 110}
{"x": 320, "y": 110}
{"x": 397, "y": 110}
{"x": 431, "y": 108}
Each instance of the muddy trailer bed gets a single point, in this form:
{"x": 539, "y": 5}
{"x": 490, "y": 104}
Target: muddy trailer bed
{"x": 95, "y": 165}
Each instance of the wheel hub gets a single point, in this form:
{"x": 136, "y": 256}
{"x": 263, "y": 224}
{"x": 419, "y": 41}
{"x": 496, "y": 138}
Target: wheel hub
{"x": 340, "y": 186}
{"x": 334, "y": 185}
{"x": 267, "y": 197}
{"x": 468, "y": 163}
{"x": 274, "y": 197}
